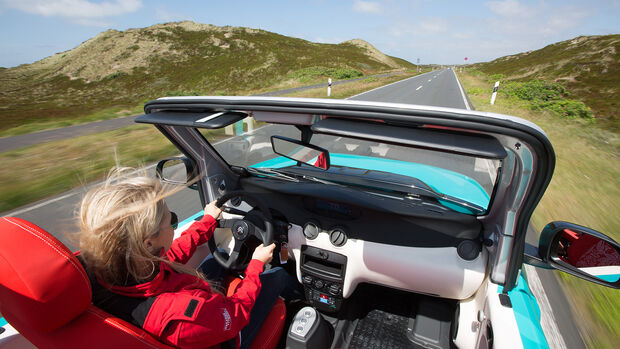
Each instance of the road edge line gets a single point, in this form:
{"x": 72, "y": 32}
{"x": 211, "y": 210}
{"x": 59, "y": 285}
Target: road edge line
{"x": 467, "y": 106}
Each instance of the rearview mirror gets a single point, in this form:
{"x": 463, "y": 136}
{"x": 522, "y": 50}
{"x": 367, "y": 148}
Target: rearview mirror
{"x": 581, "y": 252}
{"x": 305, "y": 153}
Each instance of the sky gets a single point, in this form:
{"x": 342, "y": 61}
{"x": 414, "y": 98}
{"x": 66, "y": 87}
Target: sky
{"x": 437, "y": 32}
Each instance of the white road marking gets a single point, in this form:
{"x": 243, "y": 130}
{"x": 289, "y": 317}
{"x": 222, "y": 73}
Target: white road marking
{"x": 44, "y": 203}
{"x": 429, "y": 80}
{"x": 418, "y": 88}
{"x": 485, "y": 165}
{"x": 413, "y": 77}
{"x": 462, "y": 92}
{"x": 547, "y": 321}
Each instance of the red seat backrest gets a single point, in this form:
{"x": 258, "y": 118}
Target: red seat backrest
{"x": 45, "y": 294}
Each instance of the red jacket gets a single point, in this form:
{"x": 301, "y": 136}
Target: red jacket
{"x": 185, "y": 313}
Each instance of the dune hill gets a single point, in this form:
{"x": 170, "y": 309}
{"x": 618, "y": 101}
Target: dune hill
{"x": 126, "y": 68}
{"x": 588, "y": 66}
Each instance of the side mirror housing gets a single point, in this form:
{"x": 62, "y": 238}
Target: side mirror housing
{"x": 579, "y": 251}
{"x": 177, "y": 171}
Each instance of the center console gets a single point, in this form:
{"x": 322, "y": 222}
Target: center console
{"x": 322, "y": 274}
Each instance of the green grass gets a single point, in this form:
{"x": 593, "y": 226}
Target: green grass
{"x": 313, "y": 73}
{"x": 585, "y": 189}
{"x": 33, "y": 173}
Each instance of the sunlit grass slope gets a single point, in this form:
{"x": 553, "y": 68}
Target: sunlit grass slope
{"x": 587, "y": 66}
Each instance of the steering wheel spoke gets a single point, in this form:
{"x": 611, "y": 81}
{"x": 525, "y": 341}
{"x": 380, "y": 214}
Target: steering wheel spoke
{"x": 233, "y": 210}
{"x": 241, "y": 229}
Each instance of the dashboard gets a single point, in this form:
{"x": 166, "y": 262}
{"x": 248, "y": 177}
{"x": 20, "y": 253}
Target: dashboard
{"x": 340, "y": 237}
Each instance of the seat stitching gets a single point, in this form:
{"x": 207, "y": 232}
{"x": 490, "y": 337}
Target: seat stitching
{"x": 53, "y": 245}
{"x": 121, "y": 327}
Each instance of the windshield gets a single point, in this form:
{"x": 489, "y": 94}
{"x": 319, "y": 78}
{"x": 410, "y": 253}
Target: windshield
{"x": 378, "y": 165}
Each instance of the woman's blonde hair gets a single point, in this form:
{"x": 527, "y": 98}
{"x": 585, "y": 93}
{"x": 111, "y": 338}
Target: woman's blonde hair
{"x": 114, "y": 220}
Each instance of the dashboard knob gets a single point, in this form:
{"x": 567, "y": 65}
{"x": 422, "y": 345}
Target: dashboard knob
{"x": 319, "y": 284}
{"x": 311, "y": 230}
{"x": 334, "y": 289}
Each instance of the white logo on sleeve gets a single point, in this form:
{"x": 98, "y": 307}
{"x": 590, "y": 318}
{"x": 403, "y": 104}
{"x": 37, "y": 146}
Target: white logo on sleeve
{"x": 227, "y": 319}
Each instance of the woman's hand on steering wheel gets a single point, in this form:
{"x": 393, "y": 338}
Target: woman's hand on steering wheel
{"x": 264, "y": 253}
{"x": 212, "y": 210}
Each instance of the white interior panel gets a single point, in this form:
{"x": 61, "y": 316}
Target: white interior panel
{"x": 505, "y": 329}
{"x": 435, "y": 271}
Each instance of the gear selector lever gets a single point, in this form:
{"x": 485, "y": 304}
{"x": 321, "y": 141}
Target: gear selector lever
{"x": 308, "y": 330}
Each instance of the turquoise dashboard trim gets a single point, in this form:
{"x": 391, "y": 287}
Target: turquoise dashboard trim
{"x": 527, "y": 314}
{"x": 439, "y": 179}
{"x": 609, "y": 277}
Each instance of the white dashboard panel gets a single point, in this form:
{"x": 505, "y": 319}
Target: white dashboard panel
{"x": 434, "y": 271}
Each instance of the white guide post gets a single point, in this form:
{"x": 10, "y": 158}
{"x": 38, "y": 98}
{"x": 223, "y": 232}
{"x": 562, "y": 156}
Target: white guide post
{"x": 494, "y": 92}
{"x": 250, "y": 123}
{"x": 329, "y": 87}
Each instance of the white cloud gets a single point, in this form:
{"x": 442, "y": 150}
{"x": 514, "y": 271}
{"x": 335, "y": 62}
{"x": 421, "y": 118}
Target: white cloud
{"x": 542, "y": 20}
{"x": 367, "y": 7}
{"x": 435, "y": 25}
{"x": 74, "y": 9}
{"x": 425, "y": 27}
{"x": 508, "y": 8}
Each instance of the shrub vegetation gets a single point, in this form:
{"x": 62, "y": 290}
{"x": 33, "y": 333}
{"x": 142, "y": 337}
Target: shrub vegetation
{"x": 543, "y": 95}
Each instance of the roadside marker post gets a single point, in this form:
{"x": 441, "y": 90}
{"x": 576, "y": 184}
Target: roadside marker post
{"x": 494, "y": 92}
{"x": 329, "y": 87}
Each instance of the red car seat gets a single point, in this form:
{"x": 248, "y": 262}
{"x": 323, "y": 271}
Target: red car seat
{"x": 45, "y": 294}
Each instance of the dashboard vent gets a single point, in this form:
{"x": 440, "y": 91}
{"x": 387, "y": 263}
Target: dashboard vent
{"x": 311, "y": 230}
{"x": 338, "y": 237}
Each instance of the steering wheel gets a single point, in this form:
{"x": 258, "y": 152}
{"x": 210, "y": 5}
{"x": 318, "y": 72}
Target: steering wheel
{"x": 242, "y": 229}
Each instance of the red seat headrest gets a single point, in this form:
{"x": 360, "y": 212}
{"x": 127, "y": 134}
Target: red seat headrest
{"x": 42, "y": 284}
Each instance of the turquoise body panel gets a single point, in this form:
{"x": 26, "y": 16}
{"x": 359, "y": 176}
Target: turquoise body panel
{"x": 439, "y": 179}
{"x": 527, "y": 314}
{"x": 609, "y": 277}
{"x": 3, "y": 322}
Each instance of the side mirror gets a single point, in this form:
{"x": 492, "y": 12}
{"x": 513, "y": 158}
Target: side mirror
{"x": 305, "y": 153}
{"x": 177, "y": 170}
{"x": 581, "y": 252}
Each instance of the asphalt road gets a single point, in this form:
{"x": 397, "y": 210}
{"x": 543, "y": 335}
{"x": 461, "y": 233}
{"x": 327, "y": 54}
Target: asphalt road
{"x": 438, "y": 88}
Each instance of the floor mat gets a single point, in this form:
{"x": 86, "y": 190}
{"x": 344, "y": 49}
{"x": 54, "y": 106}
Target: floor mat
{"x": 379, "y": 330}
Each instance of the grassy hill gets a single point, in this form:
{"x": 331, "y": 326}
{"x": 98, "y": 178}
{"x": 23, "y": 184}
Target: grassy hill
{"x": 587, "y": 66}
{"x": 122, "y": 69}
